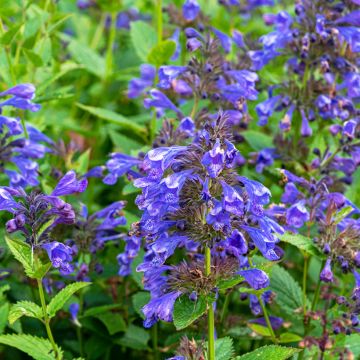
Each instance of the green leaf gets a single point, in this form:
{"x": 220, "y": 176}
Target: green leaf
{"x": 342, "y": 214}
{"x": 24, "y": 308}
{"x": 143, "y": 38}
{"x": 22, "y": 252}
{"x": 85, "y": 56}
{"x": 161, "y": 53}
{"x": 34, "y": 58}
{"x": 114, "y": 322}
{"x": 187, "y": 311}
{"x": 289, "y": 337}
{"x": 273, "y": 352}
{"x": 96, "y": 310}
{"x": 139, "y": 300}
{"x": 37, "y": 348}
{"x": 82, "y": 162}
{"x": 113, "y": 117}
{"x": 259, "y": 329}
{"x": 287, "y": 290}
{"x": 257, "y": 140}
{"x": 135, "y": 338}
{"x": 224, "y": 284}
{"x": 8, "y": 37}
{"x": 59, "y": 300}
{"x": 352, "y": 342}
{"x": 301, "y": 242}
{"x": 224, "y": 349}
{"x": 4, "y": 312}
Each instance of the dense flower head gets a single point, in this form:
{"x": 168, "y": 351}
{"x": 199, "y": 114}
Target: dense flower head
{"x": 21, "y": 148}
{"x": 192, "y": 197}
{"x": 35, "y": 215}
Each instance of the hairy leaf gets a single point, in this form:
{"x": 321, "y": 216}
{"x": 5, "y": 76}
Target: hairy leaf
{"x": 301, "y": 242}
{"x": 58, "y": 301}
{"x": 24, "y": 308}
{"x": 224, "y": 349}
{"x": 37, "y": 348}
{"x": 187, "y": 311}
{"x": 287, "y": 290}
{"x": 273, "y": 352}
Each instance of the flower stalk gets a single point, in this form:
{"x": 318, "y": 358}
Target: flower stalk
{"x": 211, "y": 315}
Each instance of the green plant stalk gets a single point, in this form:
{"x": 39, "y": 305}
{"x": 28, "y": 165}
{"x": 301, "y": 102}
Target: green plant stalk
{"x": 267, "y": 319}
{"x": 155, "y": 341}
{"x": 305, "y": 271}
{"x": 159, "y": 20}
{"x": 46, "y": 318}
{"x": 211, "y": 315}
{"x": 110, "y": 46}
{"x": 225, "y": 307}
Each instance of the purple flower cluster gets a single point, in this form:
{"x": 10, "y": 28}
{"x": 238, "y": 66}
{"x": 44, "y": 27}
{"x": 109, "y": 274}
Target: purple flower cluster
{"x": 192, "y": 198}
{"x": 19, "y": 153}
{"x": 35, "y": 215}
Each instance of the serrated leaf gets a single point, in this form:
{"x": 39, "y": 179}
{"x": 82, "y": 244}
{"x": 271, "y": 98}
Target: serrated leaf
{"x": 257, "y": 140}
{"x": 259, "y": 329}
{"x": 22, "y": 252}
{"x": 162, "y": 52}
{"x": 301, "y": 242}
{"x": 224, "y": 284}
{"x": 113, "y": 117}
{"x": 139, "y": 300}
{"x": 24, "y": 308}
{"x": 273, "y": 352}
{"x": 113, "y": 322}
{"x": 59, "y": 300}
{"x": 289, "y": 337}
{"x": 224, "y": 349}
{"x": 288, "y": 292}
{"x": 37, "y": 348}
{"x": 143, "y": 38}
{"x": 187, "y": 311}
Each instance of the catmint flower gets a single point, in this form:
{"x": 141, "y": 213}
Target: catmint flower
{"x": 35, "y": 216}
{"x": 60, "y": 256}
{"x": 190, "y": 9}
{"x": 191, "y": 197}
{"x": 326, "y": 274}
{"x": 138, "y": 85}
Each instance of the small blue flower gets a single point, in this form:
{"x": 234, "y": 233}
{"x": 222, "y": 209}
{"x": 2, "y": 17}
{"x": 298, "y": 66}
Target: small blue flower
{"x": 60, "y": 256}
{"x": 190, "y": 10}
{"x": 256, "y": 278}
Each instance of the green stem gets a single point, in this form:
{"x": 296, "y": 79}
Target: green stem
{"x": 195, "y": 106}
{"x": 211, "y": 315}
{"x": 267, "y": 319}
{"x": 225, "y": 307}
{"x": 110, "y": 46}
{"x": 159, "y": 20}
{"x": 305, "y": 271}
{"x": 46, "y": 319}
{"x": 316, "y": 296}
{"x": 155, "y": 341}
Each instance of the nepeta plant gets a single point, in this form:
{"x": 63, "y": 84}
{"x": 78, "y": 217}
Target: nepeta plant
{"x": 35, "y": 216}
